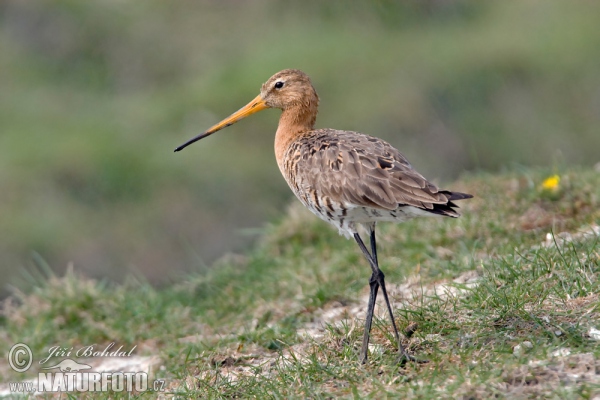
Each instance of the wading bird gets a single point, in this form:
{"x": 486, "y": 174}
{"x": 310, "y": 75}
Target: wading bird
{"x": 345, "y": 178}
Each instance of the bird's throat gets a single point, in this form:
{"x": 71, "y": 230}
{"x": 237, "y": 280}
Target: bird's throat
{"x": 293, "y": 124}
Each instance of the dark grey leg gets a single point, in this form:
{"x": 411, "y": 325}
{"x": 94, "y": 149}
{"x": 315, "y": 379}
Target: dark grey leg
{"x": 377, "y": 280}
{"x": 372, "y": 297}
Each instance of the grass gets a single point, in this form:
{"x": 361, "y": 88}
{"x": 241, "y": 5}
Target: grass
{"x": 501, "y": 301}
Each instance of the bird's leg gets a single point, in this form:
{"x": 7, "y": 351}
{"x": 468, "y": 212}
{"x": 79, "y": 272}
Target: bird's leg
{"x": 378, "y": 280}
{"x": 381, "y": 280}
{"x": 373, "y": 246}
{"x": 372, "y": 297}
{"x": 404, "y": 356}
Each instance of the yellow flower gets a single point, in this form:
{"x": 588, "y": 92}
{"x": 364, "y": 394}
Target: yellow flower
{"x": 551, "y": 183}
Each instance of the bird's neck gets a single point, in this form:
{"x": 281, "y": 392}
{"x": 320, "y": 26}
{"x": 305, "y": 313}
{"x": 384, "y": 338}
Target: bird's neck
{"x": 293, "y": 124}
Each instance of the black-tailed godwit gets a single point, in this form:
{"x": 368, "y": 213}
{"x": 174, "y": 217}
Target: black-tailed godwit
{"x": 345, "y": 178}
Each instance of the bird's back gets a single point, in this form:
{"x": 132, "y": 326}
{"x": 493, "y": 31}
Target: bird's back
{"x": 348, "y": 178}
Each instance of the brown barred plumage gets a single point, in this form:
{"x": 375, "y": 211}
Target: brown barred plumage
{"x": 345, "y": 178}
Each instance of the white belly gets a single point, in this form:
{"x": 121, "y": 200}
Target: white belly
{"x": 347, "y": 218}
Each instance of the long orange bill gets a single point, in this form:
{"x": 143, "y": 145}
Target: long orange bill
{"x": 254, "y": 106}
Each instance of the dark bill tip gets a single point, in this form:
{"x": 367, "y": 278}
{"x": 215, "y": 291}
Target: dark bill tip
{"x": 186, "y": 144}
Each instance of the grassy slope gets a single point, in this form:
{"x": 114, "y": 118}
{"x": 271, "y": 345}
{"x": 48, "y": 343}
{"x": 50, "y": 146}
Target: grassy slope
{"x": 235, "y": 330}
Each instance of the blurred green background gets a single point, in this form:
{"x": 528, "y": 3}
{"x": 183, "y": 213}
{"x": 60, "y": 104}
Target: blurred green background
{"x": 96, "y": 95}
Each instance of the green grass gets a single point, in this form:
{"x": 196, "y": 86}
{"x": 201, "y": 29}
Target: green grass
{"x": 501, "y": 309}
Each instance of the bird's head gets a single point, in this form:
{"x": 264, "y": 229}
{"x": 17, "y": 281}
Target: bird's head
{"x": 287, "y": 89}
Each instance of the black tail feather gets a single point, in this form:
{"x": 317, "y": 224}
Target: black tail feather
{"x": 448, "y": 209}
{"x": 457, "y": 195}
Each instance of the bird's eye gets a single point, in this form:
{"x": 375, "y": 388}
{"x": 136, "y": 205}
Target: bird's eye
{"x": 278, "y": 85}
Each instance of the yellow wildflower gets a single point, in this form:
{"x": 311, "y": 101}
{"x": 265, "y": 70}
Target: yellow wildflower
{"x": 551, "y": 183}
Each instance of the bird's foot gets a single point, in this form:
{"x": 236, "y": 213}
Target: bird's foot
{"x": 405, "y": 357}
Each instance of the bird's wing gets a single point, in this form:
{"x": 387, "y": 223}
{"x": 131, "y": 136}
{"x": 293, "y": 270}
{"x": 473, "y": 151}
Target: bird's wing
{"x": 363, "y": 171}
